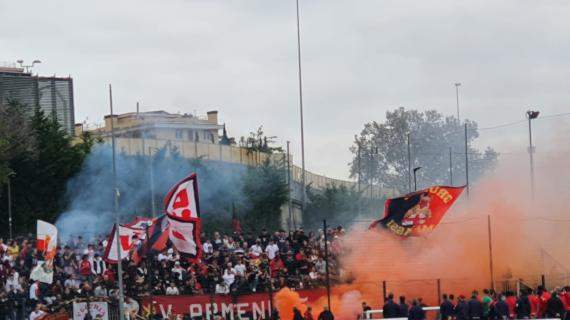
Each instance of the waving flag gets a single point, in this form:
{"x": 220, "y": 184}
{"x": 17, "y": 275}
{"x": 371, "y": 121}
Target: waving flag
{"x": 156, "y": 238}
{"x": 182, "y": 202}
{"x": 185, "y": 236}
{"x": 129, "y": 237}
{"x": 182, "y": 206}
{"x": 140, "y": 222}
{"x": 46, "y": 239}
{"x": 418, "y": 212}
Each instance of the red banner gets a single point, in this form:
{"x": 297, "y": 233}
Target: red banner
{"x": 251, "y": 306}
{"x": 418, "y": 212}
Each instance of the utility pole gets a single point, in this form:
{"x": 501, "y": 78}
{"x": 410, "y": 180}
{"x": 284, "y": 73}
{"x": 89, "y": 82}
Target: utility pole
{"x": 10, "y": 206}
{"x": 290, "y": 203}
{"x": 466, "y": 161}
{"x": 116, "y": 212}
{"x": 303, "y": 182}
{"x": 490, "y": 252}
{"x": 450, "y": 168}
{"x": 151, "y": 173}
{"x": 409, "y": 166}
{"x": 531, "y": 115}
{"x": 457, "y": 85}
{"x": 327, "y": 265}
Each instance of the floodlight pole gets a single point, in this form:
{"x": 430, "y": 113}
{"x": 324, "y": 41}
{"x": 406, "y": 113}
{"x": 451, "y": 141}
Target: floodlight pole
{"x": 116, "y": 212}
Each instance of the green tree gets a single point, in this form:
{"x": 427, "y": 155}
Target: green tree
{"x": 42, "y": 171}
{"x": 339, "y": 205}
{"x": 265, "y": 189}
{"x": 380, "y": 150}
{"x": 16, "y": 137}
{"x": 258, "y": 141}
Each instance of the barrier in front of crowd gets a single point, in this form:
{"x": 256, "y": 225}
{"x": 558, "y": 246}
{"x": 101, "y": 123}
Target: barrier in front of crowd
{"x": 368, "y": 314}
{"x": 249, "y": 306}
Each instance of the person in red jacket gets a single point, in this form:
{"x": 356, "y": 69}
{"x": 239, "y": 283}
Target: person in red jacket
{"x": 511, "y": 301}
{"x": 534, "y": 304}
{"x": 544, "y": 296}
{"x": 85, "y": 267}
{"x": 308, "y": 314}
{"x": 565, "y": 297}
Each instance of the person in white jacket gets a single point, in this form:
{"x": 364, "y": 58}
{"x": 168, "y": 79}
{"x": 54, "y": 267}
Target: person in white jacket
{"x": 172, "y": 290}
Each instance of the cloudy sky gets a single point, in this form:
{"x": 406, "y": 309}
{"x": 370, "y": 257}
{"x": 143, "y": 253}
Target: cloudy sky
{"x": 360, "y": 58}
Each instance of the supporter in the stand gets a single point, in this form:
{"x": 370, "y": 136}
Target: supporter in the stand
{"x": 326, "y": 314}
{"x": 34, "y": 293}
{"x": 390, "y": 308}
{"x": 555, "y": 307}
{"x": 475, "y": 307}
{"x": 461, "y": 309}
{"x": 486, "y": 302}
{"x": 416, "y": 311}
{"x": 501, "y": 308}
{"x": 297, "y": 314}
{"x": 544, "y": 296}
{"x": 255, "y": 250}
{"x": 403, "y": 308}
{"x": 98, "y": 266}
{"x": 565, "y": 297}
{"x": 172, "y": 290}
{"x": 222, "y": 288}
{"x": 272, "y": 250}
{"x": 85, "y": 267}
{"x": 308, "y": 315}
{"x": 523, "y": 306}
{"x": 511, "y": 301}
{"x": 446, "y": 308}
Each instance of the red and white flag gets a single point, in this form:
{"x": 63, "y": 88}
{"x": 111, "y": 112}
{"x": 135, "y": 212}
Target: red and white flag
{"x": 140, "y": 223}
{"x": 129, "y": 238}
{"x": 46, "y": 239}
{"x": 185, "y": 236}
{"x": 182, "y": 201}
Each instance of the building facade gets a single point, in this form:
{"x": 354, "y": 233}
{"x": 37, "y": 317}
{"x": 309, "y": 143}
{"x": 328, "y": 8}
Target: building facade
{"x": 161, "y": 125}
{"x": 53, "y": 95}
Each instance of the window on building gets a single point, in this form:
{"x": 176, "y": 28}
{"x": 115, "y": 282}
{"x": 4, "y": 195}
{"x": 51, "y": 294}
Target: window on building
{"x": 178, "y": 134}
{"x": 191, "y": 135}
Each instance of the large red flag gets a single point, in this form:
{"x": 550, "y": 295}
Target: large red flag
{"x": 418, "y": 212}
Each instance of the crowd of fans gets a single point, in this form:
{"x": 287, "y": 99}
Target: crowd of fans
{"x": 491, "y": 305}
{"x": 231, "y": 264}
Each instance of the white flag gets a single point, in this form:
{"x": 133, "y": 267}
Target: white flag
{"x": 46, "y": 239}
{"x": 127, "y": 238}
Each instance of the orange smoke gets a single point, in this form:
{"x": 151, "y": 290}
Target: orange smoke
{"x": 529, "y": 238}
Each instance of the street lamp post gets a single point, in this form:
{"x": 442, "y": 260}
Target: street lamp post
{"x": 457, "y": 85}
{"x": 415, "y": 181}
{"x": 303, "y": 182}
{"x": 530, "y": 116}
{"x": 409, "y": 164}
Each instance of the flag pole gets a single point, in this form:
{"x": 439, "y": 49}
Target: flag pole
{"x": 327, "y": 265}
{"x": 116, "y": 211}
{"x": 490, "y": 252}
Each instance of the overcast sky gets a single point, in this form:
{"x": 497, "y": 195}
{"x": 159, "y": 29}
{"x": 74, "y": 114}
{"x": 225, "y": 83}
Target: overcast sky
{"x": 360, "y": 58}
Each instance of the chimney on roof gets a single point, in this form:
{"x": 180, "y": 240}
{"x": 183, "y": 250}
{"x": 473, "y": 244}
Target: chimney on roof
{"x": 213, "y": 116}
